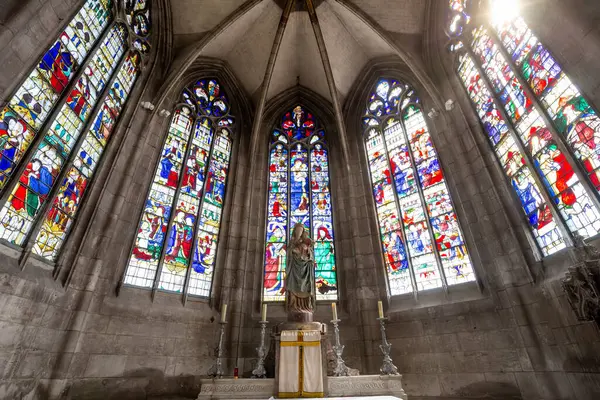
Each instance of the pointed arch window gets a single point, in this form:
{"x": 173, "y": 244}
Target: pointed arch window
{"x": 423, "y": 245}
{"x": 55, "y": 127}
{"x": 543, "y": 131}
{"x": 299, "y": 192}
{"x": 176, "y": 242}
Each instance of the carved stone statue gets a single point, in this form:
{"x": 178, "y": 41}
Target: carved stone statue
{"x": 582, "y": 289}
{"x": 586, "y": 251}
{"x": 582, "y": 281}
{"x": 300, "y": 276}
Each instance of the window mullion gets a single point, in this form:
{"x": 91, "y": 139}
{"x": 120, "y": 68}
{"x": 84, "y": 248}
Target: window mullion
{"x": 176, "y": 197}
{"x": 407, "y": 250}
{"x": 310, "y": 195}
{"x": 310, "y": 209}
{"x": 288, "y": 208}
{"x": 424, "y": 205}
{"x": 558, "y": 139}
{"x": 526, "y": 156}
{"x": 201, "y": 198}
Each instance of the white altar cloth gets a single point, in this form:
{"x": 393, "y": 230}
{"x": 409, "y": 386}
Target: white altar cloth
{"x": 300, "y": 365}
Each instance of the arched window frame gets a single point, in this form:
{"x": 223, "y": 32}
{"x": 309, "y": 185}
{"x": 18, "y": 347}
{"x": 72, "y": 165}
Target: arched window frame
{"x": 222, "y": 125}
{"x": 116, "y": 86}
{"x": 276, "y": 133}
{"x": 461, "y": 29}
{"x": 403, "y": 102}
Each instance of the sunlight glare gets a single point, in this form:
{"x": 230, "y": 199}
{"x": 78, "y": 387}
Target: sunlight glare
{"x": 503, "y": 11}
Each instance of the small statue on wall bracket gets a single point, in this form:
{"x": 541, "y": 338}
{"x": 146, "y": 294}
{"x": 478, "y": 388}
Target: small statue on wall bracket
{"x": 582, "y": 281}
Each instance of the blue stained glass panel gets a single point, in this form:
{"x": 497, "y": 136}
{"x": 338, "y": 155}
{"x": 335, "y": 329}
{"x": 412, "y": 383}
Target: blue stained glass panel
{"x": 191, "y": 178}
{"x": 304, "y": 182}
{"x": 406, "y": 206}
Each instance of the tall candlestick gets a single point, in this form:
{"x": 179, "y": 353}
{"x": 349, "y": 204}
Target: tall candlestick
{"x": 264, "y": 312}
{"x": 334, "y": 310}
{"x": 223, "y": 312}
{"x": 380, "y": 308}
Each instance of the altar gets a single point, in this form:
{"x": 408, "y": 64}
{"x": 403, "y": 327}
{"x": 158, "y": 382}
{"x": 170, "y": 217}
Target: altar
{"x": 301, "y": 348}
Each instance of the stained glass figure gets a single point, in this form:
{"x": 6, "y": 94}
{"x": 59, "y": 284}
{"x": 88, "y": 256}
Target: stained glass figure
{"x": 543, "y": 226}
{"x": 92, "y": 70}
{"x": 67, "y": 201}
{"x": 299, "y": 192}
{"x": 28, "y": 109}
{"x": 512, "y": 59}
{"x": 29, "y": 195}
{"x": 422, "y": 242}
{"x": 178, "y": 233}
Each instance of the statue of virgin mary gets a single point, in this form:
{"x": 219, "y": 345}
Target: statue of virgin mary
{"x": 300, "y": 276}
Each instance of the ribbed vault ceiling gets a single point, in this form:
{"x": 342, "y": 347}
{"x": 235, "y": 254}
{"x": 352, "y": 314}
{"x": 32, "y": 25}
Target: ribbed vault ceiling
{"x": 246, "y": 30}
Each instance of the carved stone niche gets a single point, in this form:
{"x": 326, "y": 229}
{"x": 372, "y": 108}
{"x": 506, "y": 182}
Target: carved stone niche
{"x": 582, "y": 282}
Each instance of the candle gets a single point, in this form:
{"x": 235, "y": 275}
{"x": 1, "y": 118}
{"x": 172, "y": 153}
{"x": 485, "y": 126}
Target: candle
{"x": 334, "y": 310}
{"x": 223, "y": 312}
{"x": 264, "y": 312}
{"x": 380, "y": 308}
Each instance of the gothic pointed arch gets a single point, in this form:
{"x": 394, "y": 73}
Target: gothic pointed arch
{"x": 57, "y": 124}
{"x": 542, "y": 129}
{"x": 178, "y": 233}
{"x": 299, "y": 192}
{"x": 423, "y": 244}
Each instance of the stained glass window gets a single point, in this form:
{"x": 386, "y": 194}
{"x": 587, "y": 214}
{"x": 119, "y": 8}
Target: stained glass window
{"x": 532, "y": 113}
{"x": 423, "y": 245}
{"x": 92, "y": 70}
{"x": 67, "y": 200}
{"x": 28, "y": 109}
{"x": 299, "y": 193}
{"x": 176, "y": 242}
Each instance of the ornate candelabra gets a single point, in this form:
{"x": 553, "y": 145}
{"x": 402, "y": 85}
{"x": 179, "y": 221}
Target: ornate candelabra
{"x": 260, "y": 371}
{"x": 217, "y": 369}
{"x": 388, "y": 367}
{"x": 340, "y": 366}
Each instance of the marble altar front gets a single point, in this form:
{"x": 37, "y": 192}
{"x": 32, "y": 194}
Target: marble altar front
{"x": 372, "y": 387}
